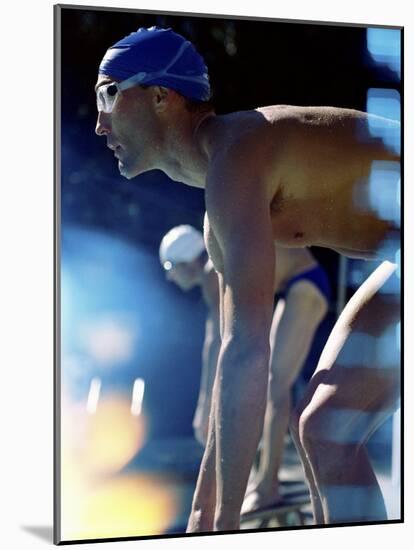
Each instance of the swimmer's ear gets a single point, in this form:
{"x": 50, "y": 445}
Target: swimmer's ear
{"x": 160, "y": 98}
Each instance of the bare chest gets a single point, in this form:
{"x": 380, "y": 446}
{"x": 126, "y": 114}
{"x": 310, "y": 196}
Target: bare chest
{"x": 297, "y": 221}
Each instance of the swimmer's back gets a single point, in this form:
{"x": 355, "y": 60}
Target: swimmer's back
{"x": 301, "y": 144}
{"x": 322, "y": 197}
{"x": 314, "y": 162}
{"x": 326, "y": 141}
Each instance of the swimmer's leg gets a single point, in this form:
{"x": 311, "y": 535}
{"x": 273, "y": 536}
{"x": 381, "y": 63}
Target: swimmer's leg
{"x": 310, "y": 477}
{"x": 294, "y": 324}
{"x": 354, "y": 389}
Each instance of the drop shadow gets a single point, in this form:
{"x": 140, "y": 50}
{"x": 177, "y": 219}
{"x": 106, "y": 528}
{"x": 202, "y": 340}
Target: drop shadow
{"x": 40, "y": 531}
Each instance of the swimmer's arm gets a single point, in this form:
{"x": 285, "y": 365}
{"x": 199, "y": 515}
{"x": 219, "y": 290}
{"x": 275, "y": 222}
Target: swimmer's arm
{"x": 211, "y": 350}
{"x": 204, "y": 501}
{"x": 238, "y": 210}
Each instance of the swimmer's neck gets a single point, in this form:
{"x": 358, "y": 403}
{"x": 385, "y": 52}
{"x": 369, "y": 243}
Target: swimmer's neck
{"x": 185, "y": 158}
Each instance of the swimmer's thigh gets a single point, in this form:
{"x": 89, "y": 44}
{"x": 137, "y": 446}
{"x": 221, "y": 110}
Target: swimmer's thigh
{"x": 357, "y": 382}
{"x": 304, "y": 308}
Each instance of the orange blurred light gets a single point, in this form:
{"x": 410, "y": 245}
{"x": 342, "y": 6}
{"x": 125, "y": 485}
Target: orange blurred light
{"x": 103, "y": 442}
{"x": 96, "y": 501}
{"x": 133, "y": 505}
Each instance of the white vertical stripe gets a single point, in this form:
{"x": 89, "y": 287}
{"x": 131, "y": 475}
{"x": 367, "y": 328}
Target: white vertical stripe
{"x": 93, "y": 396}
{"x": 137, "y": 396}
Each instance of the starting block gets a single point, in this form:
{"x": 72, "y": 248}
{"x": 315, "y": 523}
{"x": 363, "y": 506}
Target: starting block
{"x": 292, "y": 509}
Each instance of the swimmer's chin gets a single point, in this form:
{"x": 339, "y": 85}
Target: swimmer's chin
{"x": 129, "y": 173}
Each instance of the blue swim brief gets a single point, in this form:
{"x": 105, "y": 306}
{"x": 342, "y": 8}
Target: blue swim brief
{"x": 315, "y": 275}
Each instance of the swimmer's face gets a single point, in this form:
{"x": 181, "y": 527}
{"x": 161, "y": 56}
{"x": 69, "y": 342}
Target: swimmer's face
{"x": 185, "y": 275}
{"x": 132, "y": 129}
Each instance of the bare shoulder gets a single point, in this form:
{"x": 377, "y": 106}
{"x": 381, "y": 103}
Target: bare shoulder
{"x": 242, "y": 150}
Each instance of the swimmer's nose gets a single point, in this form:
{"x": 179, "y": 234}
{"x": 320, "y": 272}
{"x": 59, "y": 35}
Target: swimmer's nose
{"x": 103, "y": 124}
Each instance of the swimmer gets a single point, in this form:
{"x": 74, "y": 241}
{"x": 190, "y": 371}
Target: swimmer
{"x": 304, "y": 293}
{"x": 185, "y": 260}
{"x": 290, "y": 175}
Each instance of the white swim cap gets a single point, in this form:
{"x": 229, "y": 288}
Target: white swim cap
{"x": 183, "y": 243}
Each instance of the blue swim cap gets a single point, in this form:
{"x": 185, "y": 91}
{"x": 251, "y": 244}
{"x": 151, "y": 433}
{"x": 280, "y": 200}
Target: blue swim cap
{"x": 158, "y": 56}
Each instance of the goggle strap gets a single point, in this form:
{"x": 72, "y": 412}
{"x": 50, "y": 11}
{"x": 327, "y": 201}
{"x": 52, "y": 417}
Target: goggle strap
{"x": 141, "y": 76}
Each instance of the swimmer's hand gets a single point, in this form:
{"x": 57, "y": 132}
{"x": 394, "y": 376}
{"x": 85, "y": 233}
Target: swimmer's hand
{"x": 200, "y": 521}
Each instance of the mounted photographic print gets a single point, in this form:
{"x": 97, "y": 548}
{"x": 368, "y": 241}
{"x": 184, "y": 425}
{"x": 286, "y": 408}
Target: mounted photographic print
{"x": 228, "y": 274}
